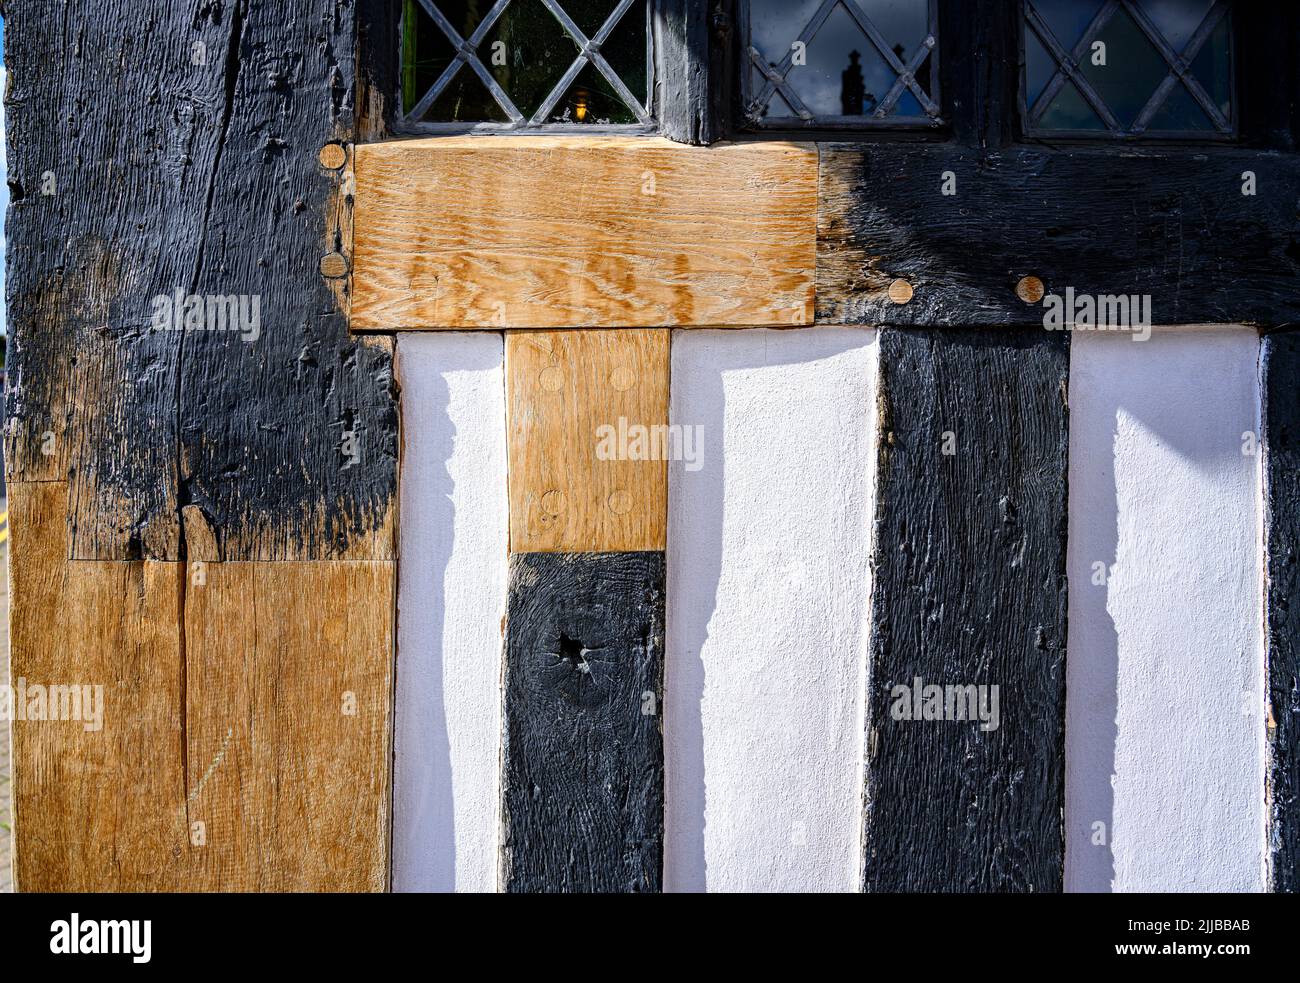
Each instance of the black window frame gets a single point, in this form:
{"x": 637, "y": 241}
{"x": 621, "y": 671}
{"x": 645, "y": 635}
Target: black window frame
{"x": 981, "y": 89}
{"x": 981, "y": 70}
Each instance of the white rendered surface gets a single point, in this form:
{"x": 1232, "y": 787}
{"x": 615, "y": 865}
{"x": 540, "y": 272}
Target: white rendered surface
{"x": 768, "y": 598}
{"x": 1165, "y": 681}
{"x": 451, "y": 599}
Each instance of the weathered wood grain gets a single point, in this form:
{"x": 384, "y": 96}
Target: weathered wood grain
{"x": 969, "y": 589}
{"x": 1169, "y": 223}
{"x": 199, "y": 174}
{"x": 583, "y": 750}
{"x": 582, "y": 410}
{"x": 225, "y": 696}
{"x": 94, "y": 810}
{"x": 378, "y": 68}
{"x": 1281, "y": 385}
{"x": 288, "y": 444}
{"x": 980, "y": 70}
{"x": 287, "y": 724}
{"x": 499, "y": 232}
{"x": 689, "y": 104}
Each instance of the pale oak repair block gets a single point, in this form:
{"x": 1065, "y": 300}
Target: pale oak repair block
{"x": 543, "y": 232}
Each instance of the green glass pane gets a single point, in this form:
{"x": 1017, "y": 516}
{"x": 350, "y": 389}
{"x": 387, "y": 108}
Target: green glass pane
{"x": 591, "y": 100}
{"x": 466, "y": 98}
{"x": 590, "y": 15}
{"x": 1069, "y": 111}
{"x": 625, "y": 50}
{"x": 1126, "y": 71}
{"x": 425, "y": 53}
{"x": 526, "y": 51}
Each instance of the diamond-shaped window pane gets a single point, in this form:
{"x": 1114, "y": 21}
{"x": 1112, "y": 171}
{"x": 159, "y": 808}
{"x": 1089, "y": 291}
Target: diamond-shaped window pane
{"x": 465, "y": 98}
{"x": 591, "y": 99}
{"x": 840, "y": 61}
{"x": 1128, "y": 67}
{"x": 842, "y": 74}
{"x": 625, "y": 51}
{"x": 1180, "y": 112}
{"x": 1070, "y": 111}
{"x": 527, "y": 52}
{"x": 1124, "y": 67}
{"x": 520, "y": 62}
{"x": 1176, "y": 19}
{"x": 591, "y": 15}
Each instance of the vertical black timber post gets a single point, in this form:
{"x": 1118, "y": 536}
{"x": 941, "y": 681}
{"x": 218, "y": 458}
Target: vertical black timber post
{"x": 686, "y": 69}
{"x": 583, "y": 763}
{"x": 1293, "y": 82}
{"x": 1266, "y": 94}
{"x": 969, "y": 590}
{"x": 1281, "y": 388}
{"x": 979, "y": 74}
{"x": 287, "y": 433}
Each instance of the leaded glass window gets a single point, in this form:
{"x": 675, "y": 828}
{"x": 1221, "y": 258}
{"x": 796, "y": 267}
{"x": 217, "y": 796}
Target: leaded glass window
{"x": 1128, "y": 68}
{"x": 839, "y": 63}
{"x": 521, "y": 64}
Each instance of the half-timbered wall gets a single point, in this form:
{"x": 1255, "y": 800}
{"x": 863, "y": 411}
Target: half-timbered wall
{"x": 382, "y": 594}
{"x": 780, "y": 636}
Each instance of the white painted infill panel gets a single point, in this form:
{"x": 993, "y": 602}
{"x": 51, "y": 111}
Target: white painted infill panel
{"x": 768, "y": 597}
{"x": 1165, "y": 679}
{"x": 451, "y": 599}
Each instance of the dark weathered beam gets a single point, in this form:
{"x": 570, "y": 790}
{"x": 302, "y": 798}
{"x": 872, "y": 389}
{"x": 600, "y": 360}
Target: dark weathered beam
{"x": 288, "y": 444}
{"x": 685, "y": 60}
{"x": 969, "y": 590}
{"x": 583, "y": 751}
{"x": 162, "y": 151}
{"x": 1267, "y": 93}
{"x": 200, "y": 176}
{"x": 1173, "y": 224}
{"x": 1281, "y": 385}
{"x": 979, "y": 72}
